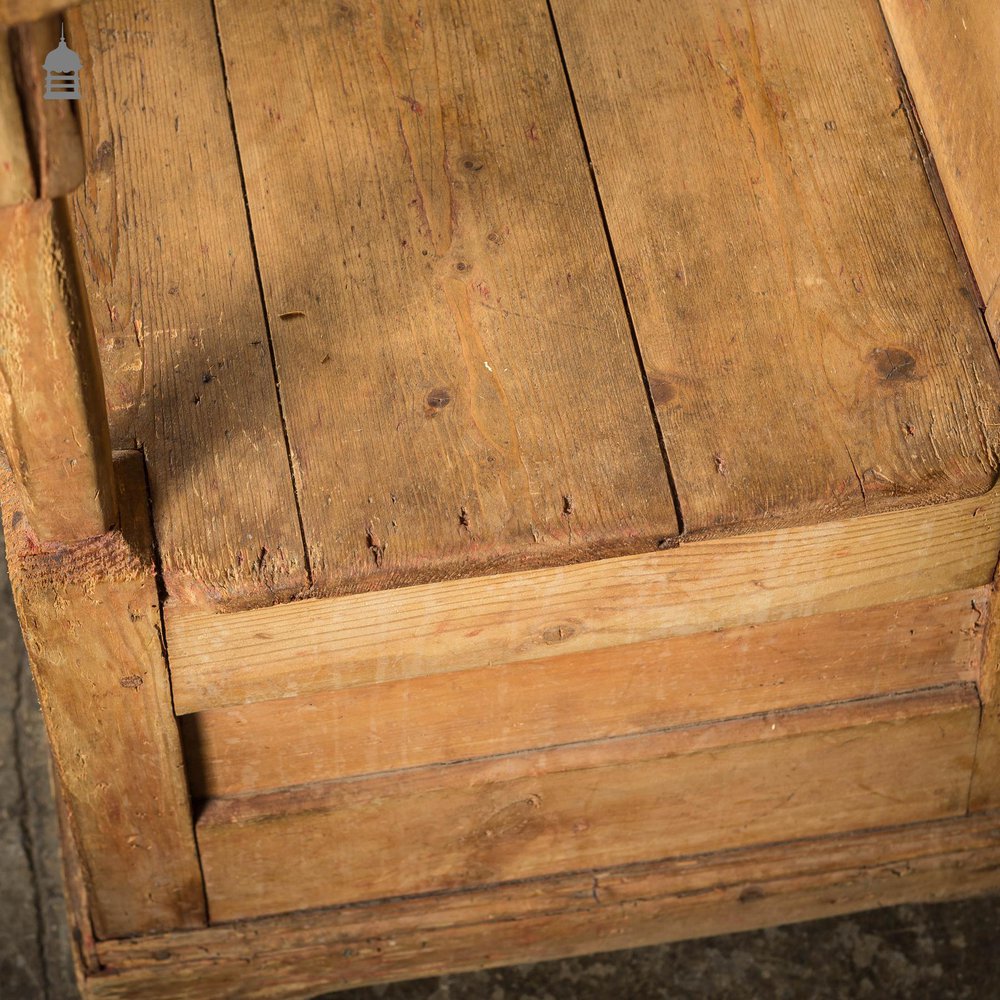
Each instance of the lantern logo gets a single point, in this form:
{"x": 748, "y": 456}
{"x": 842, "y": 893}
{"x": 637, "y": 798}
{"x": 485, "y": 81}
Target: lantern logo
{"x": 62, "y": 72}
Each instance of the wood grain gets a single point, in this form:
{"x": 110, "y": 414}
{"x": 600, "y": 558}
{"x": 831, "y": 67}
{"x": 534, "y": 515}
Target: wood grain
{"x": 985, "y": 790}
{"x": 950, "y": 53}
{"x": 56, "y": 146}
{"x": 19, "y": 11}
{"x": 91, "y": 620}
{"x": 307, "y": 953}
{"x": 311, "y": 646}
{"x": 17, "y": 182}
{"x": 461, "y": 390}
{"x": 585, "y": 696}
{"x": 810, "y": 345}
{"x": 687, "y": 791}
{"x": 52, "y": 412}
{"x": 176, "y": 305}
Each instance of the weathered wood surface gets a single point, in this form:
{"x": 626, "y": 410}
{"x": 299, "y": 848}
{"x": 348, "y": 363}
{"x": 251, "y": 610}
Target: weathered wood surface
{"x": 684, "y": 791}
{"x": 985, "y": 791}
{"x": 55, "y": 132}
{"x": 585, "y": 696}
{"x": 810, "y": 345}
{"x": 176, "y": 305}
{"x": 19, "y": 11}
{"x": 459, "y": 381}
{"x": 52, "y": 413}
{"x": 17, "y": 182}
{"x": 950, "y": 53}
{"x": 91, "y": 618}
{"x": 311, "y": 646}
{"x": 305, "y": 954}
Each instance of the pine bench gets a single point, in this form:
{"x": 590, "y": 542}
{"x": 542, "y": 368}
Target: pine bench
{"x": 493, "y": 481}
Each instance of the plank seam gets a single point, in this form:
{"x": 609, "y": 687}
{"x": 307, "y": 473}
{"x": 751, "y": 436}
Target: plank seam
{"x": 263, "y": 302}
{"x": 922, "y": 695}
{"x": 162, "y": 593}
{"x": 675, "y": 496}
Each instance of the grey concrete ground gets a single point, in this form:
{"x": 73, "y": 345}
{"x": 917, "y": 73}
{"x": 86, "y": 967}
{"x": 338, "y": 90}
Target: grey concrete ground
{"x": 910, "y": 953}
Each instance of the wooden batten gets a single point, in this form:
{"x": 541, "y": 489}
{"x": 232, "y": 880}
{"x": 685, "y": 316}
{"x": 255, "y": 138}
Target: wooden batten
{"x": 985, "y": 790}
{"x": 52, "y": 414}
{"x": 91, "y": 619}
{"x": 322, "y": 645}
{"x": 305, "y": 954}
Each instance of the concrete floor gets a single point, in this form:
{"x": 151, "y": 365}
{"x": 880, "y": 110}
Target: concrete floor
{"x": 927, "y": 952}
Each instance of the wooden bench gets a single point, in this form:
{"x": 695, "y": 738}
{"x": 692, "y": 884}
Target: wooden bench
{"x": 489, "y": 482}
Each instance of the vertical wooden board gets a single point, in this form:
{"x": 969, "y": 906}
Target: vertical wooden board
{"x": 176, "y": 306}
{"x": 985, "y": 791}
{"x": 497, "y": 709}
{"x": 461, "y": 390}
{"x": 16, "y": 179}
{"x": 809, "y": 343}
{"x": 950, "y": 54}
{"x": 51, "y": 391}
{"x": 91, "y": 619}
{"x": 781, "y": 777}
{"x": 55, "y": 131}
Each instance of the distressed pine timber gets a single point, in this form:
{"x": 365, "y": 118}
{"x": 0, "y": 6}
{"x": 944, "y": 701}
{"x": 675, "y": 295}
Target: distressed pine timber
{"x": 51, "y": 397}
{"x": 985, "y": 790}
{"x": 335, "y": 643}
{"x": 55, "y": 132}
{"x": 459, "y": 383}
{"x": 19, "y": 11}
{"x": 950, "y": 53}
{"x": 810, "y": 344}
{"x": 170, "y": 275}
{"x": 17, "y": 182}
{"x": 819, "y": 771}
{"x": 304, "y": 954}
{"x": 721, "y": 674}
{"x": 91, "y": 619}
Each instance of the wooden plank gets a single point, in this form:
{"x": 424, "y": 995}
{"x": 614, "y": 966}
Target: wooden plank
{"x": 304, "y": 954}
{"x": 17, "y": 183}
{"x": 585, "y": 696}
{"x": 460, "y": 385}
{"x": 809, "y": 343}
{"x": 687, "y": 791}
{"x": 19, "y": 11}
{"x": 311, "y": 646}
{"x": 52, "y": 412}
{"x": 985, "y": 791}
{"x": 91, "y": 619}
{"x": 950, "y": 53}
{"x": 170, "y": 273}
{"x": 55, "y": 132}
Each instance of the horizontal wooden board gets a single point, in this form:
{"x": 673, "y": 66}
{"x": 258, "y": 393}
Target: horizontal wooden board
{"x": 311, "y": 646}
{"x": 708, "y": 788}
{"x": 585, "y": 696}
{"x": 810, "y": 342}
{"x": 459, "y": 382}
{"x": 304, "y": 954}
